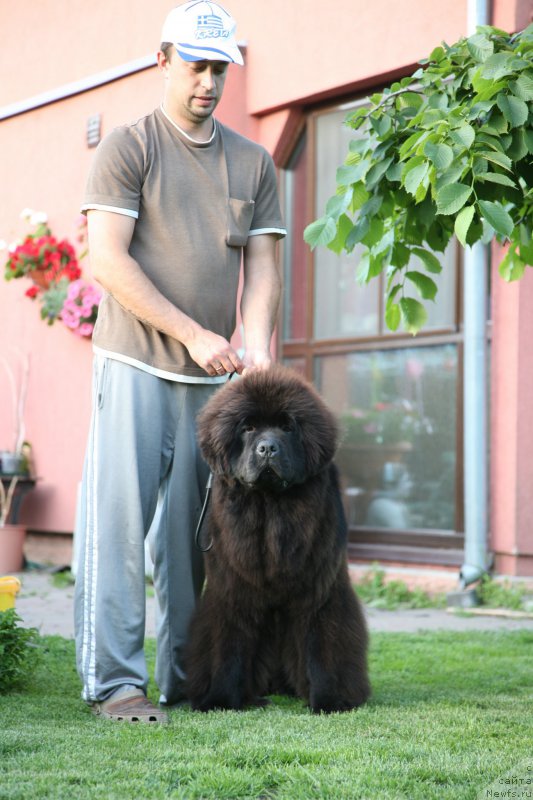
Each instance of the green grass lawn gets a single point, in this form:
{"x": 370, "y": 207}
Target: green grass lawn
{"x": 450, "y": 714}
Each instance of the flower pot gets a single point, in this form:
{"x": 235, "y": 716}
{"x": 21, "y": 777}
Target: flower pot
{"x": 12, "y": 538}
{"x": 9, "y": 588}
{"x": 11, "y": 463}
{"x": 40, "y": 278}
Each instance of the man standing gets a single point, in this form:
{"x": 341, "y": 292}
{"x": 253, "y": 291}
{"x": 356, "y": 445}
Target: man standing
{"x": 174, "y": 202}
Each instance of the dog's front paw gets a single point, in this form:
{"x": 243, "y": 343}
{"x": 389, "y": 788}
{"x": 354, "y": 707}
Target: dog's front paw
{"x": 328, "y": 703}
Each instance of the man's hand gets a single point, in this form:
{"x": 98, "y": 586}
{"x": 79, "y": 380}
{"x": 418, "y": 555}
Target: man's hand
{"x": 256, "y": 359}
{"x": 213, "y": 353}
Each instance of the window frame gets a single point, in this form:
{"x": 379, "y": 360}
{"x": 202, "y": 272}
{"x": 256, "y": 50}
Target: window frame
{"x": 433, "y": 545}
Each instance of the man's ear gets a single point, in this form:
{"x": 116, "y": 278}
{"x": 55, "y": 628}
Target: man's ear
{"x": 163, "y": 62}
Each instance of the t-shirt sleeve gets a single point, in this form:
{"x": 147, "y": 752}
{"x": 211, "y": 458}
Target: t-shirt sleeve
{"x": 267, "y": 215}
{"x": 116, "y": 174}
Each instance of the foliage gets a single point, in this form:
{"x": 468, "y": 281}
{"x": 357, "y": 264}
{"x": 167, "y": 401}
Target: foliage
{"x": 63, "y": 579}
{"x": 450, "y": 713}
{"x": 19, "y": 651}
{"x": 448, "y": 150}
{"x": 376, "y": 592}
{"x": 384, "y": 423}
{"x": 53, "y": 267}
{"x": 496, "y": 594}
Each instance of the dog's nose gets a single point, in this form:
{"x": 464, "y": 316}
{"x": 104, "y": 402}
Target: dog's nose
{"x": 267, "y": 448}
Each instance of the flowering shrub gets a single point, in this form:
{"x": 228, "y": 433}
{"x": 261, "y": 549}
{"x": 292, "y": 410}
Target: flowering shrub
{"x": 385, "y": 423}
{"x": 53, "y": 267}
{"x": 81, "y": 307}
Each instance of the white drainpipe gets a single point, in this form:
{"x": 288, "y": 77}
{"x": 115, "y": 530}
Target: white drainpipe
{"x": 476, "y": 558}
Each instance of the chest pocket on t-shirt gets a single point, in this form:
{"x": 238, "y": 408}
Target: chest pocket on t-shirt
{"x": 240, "y": 215}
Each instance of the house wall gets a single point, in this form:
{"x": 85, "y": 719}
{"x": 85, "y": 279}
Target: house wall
{"x": 297, "y": 53}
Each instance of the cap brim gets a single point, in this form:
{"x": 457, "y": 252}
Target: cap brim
{"x": 230, "y": 54}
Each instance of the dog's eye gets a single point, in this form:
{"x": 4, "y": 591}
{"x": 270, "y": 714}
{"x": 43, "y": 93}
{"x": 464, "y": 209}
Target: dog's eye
{"x": 249, "y": 428}
{"x": 287, "y": 427}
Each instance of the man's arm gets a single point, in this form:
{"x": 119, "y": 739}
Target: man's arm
{"x": 260, "y": 299}
{"x": 121, "y": 276}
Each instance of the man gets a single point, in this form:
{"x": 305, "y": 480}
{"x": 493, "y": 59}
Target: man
{"x": 174, "y": 202}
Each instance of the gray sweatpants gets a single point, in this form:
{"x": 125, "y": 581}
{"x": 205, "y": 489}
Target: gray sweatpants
{"x": 142, "y": 448}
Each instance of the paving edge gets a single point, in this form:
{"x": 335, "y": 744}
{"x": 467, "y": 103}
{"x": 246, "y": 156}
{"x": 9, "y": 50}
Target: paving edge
{"x": 490, "y": 612}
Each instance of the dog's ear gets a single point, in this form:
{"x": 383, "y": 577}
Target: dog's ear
{"x": 216, "y": 431}
{"x": 319, "y": 433}
{"x": 210, "y": 440}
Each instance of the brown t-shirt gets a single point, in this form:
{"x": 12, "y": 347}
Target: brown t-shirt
{"x": 195, "y": 206}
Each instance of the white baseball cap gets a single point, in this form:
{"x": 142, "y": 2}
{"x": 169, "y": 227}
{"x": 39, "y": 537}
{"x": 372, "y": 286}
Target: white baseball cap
{"x": 201, "y": 30}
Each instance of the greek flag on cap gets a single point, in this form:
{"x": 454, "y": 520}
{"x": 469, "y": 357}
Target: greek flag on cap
{"x": 202, "y": 30}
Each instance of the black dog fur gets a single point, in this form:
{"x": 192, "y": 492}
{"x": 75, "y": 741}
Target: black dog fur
{"x": 278, "y": 614}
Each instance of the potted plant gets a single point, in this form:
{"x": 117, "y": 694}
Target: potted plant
{"x": 13, "y": 466}
{"x": 53, "y": 267}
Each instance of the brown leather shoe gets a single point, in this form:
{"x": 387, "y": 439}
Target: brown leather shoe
{"x": 130, "y": 706}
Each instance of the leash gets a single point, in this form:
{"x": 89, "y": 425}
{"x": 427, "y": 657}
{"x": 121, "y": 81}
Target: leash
{"x": 203, "y": 512}
{"x": 202, "y": 515}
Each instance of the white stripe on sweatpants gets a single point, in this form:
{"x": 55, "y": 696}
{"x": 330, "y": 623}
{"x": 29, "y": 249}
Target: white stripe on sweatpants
{"x": 90, "y": 575}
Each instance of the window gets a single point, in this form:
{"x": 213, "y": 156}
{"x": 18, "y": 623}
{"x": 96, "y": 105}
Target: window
{"x": 397, "y": 399}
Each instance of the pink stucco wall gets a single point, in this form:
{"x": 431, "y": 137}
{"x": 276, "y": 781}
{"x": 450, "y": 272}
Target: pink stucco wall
{"x": 297, "y": 52}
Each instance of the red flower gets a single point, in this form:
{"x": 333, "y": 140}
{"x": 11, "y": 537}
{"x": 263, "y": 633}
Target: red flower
{"x": 32, "y": 292}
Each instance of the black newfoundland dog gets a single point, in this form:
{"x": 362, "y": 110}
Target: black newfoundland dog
{"x": 278, "y": 614}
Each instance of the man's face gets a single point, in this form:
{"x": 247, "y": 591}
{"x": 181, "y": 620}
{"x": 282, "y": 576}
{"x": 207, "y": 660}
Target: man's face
{"x": 193, "y": 88}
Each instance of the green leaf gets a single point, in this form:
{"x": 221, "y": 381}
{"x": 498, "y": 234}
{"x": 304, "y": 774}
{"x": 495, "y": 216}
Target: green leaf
{"x": 394, "y": 172}
{"x": 523, "y": 86}
{"x": 400, "y": 254}
{"x": 490, "y": 89}
{"x": 452, "y": 197}
{"x": 368, "y": 268}
{"x": 426, "y": 286}
{"x": 430, "y": 261}
{"x": 358, "y": 233}
{"x": 497, "y": 158}
{"x": 320, "y": 232}
{"x": 497, "y": 66}
{"x": 437, "y": 54}
{"x": 413, "y": 314}
{"x": 512, "y": 267}
{"x": 497, "y": 177}
{"x": 525, "y": 247}
{"x": 353, "y": 173}
{"x": 409, "y": 100}
{"x": 452, "y": 175}
{"x": 497, "y": 217}
{"x": 464, "y": 135}
{"x": 375, "y": 232}
{"x": 480, "y": 47}
{"x": 376, "y": 172}
{"x": 382, "y": 125}
{"x": 344, "y": 226}
{"x": 360, "y": 196}
{"x": 462, "y": 223}
{"x": 338, "y": 204}
{"x": 498, "y": 123}
{"x": 529, "y": 140}
{"x": 393, "y": 316}
{"x": 414, "y": 173}
{"x": 488, "y": 232}
{"x": 384, "y": 244}
{"x": 440, "y": 154}
{"x": 518, "y": 149}
{"x": 411, "y": 141}
{"x": 359, "y": 145}
{"x": 494, "y": 142}
{"x": 513, "y": 109}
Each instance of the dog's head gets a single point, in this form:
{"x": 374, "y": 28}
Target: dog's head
{"x": 268, "y": 430}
